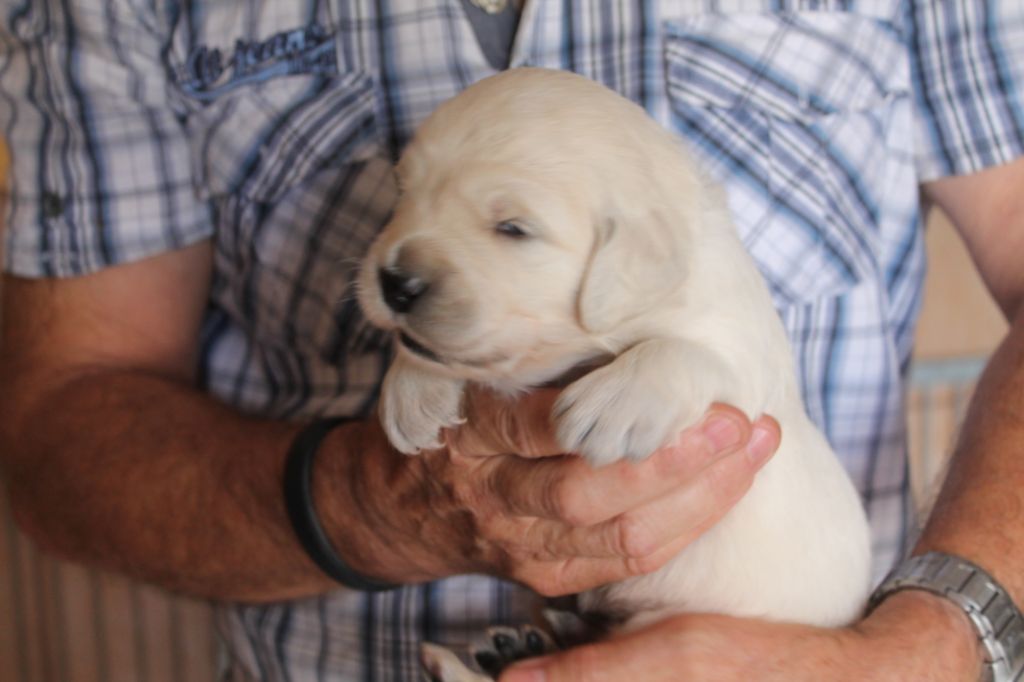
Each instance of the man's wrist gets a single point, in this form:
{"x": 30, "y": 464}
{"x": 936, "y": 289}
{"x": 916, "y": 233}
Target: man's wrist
{"x": 919, "y": 621}
{"x": 304, "y": 515}
{"x": 370, "y": 500}
{"x": 996, "y": 620}
{"x": 343, "y": 500}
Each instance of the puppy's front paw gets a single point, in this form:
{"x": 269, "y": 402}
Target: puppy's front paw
{"x": 638, "y": 403}
{"x": 415, "y": 405}
{"x": 605, "y": 416}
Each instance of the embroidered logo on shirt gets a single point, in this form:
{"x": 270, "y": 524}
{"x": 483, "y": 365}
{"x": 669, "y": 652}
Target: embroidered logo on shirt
{"x": 209, "y": 73}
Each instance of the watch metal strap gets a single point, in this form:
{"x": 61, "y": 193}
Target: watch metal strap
{"x": 997, "y": 619}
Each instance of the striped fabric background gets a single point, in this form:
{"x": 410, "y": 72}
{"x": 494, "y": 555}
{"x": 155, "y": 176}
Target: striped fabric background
{"x": 939, "y": 395}
{"x": 63, "y": 623}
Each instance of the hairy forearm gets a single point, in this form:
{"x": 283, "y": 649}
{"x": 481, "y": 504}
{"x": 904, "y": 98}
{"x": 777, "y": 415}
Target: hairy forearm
{"x": 980, "y": 511}
{"x": 145, "y": 475}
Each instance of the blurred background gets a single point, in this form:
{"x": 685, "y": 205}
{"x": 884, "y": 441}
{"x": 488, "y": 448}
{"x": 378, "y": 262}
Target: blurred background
{"x": 64, "y": 623}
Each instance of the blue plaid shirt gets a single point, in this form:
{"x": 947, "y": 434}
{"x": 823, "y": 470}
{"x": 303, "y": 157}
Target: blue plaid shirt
{"x": 271, "y": 127}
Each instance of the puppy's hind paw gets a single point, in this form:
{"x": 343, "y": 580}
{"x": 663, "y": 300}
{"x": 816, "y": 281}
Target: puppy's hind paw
{"x": 502, "y": 647}
{"x": 505, "y": 646}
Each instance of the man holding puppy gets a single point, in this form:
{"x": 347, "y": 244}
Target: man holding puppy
{"x": 191, "y": 185}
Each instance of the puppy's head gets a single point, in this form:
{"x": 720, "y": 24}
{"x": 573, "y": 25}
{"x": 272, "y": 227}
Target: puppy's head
{"x": 540, "y": 214}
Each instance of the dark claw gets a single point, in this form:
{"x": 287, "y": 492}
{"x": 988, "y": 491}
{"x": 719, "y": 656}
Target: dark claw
{"x": 505, "y": 645}
{"x": 586, "y": 434}
{"x": 489, "y": 662}
{"x": 535, "y": 643}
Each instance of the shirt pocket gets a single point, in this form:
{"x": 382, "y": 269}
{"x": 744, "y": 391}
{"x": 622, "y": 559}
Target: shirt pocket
{"x": 300, "y": 184}
{"x": 793, "y": 113}
{"x": 262, "y": 140}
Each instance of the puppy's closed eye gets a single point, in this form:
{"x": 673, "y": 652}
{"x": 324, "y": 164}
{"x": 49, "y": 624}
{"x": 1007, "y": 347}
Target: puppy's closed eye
{"x": 512, "y": 229}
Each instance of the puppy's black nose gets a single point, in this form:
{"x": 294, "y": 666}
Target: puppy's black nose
{"x": 400, "y": 290}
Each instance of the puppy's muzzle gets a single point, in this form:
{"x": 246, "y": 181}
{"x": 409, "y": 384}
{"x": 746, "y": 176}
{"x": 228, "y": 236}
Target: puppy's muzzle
{"x": 399, "y": 289}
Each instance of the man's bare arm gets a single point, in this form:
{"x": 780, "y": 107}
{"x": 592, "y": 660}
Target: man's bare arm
{"x": 980, "y": 511}
{"x": 114, "y": 457}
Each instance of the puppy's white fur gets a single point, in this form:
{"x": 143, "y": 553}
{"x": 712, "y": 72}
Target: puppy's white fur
{"x": 630, "y": 253}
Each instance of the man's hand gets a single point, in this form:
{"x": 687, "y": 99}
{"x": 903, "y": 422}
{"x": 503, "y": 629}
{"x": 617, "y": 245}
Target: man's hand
{"x": 911, "y": 636}
{"x": 538, "y": 517}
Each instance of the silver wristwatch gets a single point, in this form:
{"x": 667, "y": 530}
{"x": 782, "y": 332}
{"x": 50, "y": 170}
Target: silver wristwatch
{"x": 998, "y": 620}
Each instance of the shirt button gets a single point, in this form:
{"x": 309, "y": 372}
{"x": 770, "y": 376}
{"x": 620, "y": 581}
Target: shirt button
{"x": 53, "y": 205}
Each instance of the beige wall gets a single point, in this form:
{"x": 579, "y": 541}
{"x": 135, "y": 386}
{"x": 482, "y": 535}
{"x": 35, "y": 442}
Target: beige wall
{"x": 959, "y": 317}
{"x": 960, "y": 326}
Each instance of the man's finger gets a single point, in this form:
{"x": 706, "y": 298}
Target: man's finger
{"x": 606, "y": 661}
{"x": 678, "y": 517}
{"x": 577, "y": 574}
{"x": 567, "y": 489}
{"x": 650, "y": 655}
{"x": 682, "y": 515}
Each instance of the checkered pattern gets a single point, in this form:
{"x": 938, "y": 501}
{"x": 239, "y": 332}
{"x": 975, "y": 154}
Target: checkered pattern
{"x": 819, "y": 117}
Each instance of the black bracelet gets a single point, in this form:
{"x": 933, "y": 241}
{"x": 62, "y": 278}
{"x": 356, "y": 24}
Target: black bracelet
{"x": 298, "y": 499}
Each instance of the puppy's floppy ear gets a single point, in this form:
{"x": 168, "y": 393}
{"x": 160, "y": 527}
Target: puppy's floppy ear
{"x": 637, "y": 261}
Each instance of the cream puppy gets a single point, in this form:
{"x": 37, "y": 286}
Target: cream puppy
{"x": 544, "y": 222}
